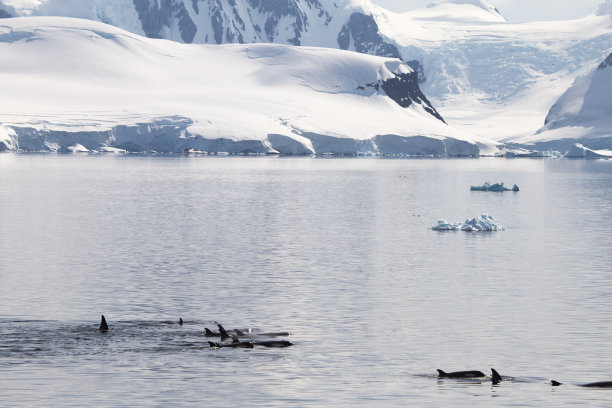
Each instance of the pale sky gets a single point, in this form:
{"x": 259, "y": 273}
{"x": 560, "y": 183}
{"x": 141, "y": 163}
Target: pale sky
{"x": 517, "y": 10}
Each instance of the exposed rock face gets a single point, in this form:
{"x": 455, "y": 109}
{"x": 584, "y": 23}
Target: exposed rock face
{"x": 362, "y": 32}
{"x": 404, "y": 89}
{"x": 606, "y": 63}
{"x": 156, "y": 16}
{"x": 231, "y": 21}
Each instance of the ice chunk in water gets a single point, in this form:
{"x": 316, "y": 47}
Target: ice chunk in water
{"x": 493, "y": 187}
{"x": 484, "y": 222}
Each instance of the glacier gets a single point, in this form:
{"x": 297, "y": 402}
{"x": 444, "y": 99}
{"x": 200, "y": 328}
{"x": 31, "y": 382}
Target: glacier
{"x": 74, "y": 85}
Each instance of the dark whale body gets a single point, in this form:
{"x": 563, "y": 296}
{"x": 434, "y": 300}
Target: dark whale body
{"x": 241, "y": 344}
{"x": 273, "y": 343}
{"x": 103, "y": 326}
{"x": 461, "y": 374}
{"x": 599, "y": 384}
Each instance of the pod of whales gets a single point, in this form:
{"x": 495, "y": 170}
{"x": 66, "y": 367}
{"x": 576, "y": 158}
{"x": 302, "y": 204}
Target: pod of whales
{"x": 236, "y": 334}
{"x": 225, "y": 334}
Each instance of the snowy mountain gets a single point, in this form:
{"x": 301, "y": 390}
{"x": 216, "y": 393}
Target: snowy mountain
{"x": 485, "y": 75}
{"x": 583, "y": 114}
{"x": 77, "y": 85}
{"x": 294, "y": 22}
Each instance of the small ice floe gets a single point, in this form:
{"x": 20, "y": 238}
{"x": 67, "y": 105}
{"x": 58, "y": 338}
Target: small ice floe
{"x": 482, "y": 223}
{"x": 494, "y": 187}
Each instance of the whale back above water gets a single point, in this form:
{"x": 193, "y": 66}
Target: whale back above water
{"x": 273, "y": 343}
{"x": 240, "y": 344}
{"x": 599, "y": 384}
{"x": 461, "y": 374}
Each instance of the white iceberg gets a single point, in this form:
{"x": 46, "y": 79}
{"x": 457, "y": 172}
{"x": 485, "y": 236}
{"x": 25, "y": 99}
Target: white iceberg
{"x": 487, "y": 186}
{"x": 482, "y": 223}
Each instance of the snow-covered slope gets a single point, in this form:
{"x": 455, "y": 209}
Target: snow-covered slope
{"x": 492, "y": 77}
{"x": 69, "y": 84}
{"x": 583, "y": 114}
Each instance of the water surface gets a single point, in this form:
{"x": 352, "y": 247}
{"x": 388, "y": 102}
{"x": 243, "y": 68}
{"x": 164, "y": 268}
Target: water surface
{"x": 339, "y": 252}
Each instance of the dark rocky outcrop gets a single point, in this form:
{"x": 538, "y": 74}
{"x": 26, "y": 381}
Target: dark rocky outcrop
{"x": 404, "y": 90}
{"x": 363, "y": 31}
{"x": 155, "y": 15}
{"x": 277, "y": 9}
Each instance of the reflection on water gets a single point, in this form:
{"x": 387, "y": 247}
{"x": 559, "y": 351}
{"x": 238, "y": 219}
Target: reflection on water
{"x": 339, "y": 252}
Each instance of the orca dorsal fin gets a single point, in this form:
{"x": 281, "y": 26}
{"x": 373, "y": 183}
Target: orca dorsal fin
{"x": 103, "y": 326}
{"x": 495, "y": 377}
{"x": 224, "y": 334}
{"x": 208, "y": 333}
{"x": 235, "y": 339}
{"x": 213, "y": 344}
{"x": 555, "y": 383}
{"x": 239, "y": 332}
{"x": 180, "y": 321}
{"x": 441, "y": 373}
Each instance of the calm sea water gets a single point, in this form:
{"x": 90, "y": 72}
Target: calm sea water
{"x": 339, "y": 252}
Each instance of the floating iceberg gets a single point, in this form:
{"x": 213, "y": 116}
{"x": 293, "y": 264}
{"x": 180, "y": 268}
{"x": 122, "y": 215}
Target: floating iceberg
{"x": 482, "y": 223}
{"x": 494, "y": 187}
